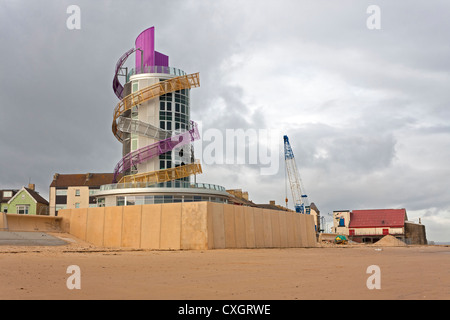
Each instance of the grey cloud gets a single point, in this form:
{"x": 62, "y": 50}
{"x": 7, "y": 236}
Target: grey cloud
{"x": 56, "y": 98}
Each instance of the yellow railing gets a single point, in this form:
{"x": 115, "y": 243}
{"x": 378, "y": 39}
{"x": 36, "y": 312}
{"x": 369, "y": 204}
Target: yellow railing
{"x": 153, "y": 91}
{"x": 164, "y": 175}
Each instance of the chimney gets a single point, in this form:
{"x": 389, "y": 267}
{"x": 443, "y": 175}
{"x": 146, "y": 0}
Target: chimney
{"x": 272, "y": 202}
{"x": 55, "y": 176}
{"x": 31, "y": 186}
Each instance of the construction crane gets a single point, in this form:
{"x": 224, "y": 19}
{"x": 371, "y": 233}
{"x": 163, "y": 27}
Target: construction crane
{"x": 300, "y": 199}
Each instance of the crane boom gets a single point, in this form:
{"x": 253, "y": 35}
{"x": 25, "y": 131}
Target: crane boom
{"x": 299, "y": 197}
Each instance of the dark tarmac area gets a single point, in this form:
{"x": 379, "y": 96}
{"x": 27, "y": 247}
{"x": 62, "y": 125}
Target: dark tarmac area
{"x": 11, "y": 238}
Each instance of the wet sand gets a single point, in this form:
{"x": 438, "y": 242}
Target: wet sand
{"x": 329, "y": 272}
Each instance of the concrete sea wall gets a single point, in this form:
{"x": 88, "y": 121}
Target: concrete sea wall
{"x": 189, "y": 226}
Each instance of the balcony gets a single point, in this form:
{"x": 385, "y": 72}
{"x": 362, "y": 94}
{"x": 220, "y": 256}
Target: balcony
{"x": 169, "y": 184}
{"x": 156, "y": 69}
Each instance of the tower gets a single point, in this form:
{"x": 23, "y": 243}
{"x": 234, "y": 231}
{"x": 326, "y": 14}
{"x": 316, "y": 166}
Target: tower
{"x": 152, "y": 122}
{"x": 165, "y": 112}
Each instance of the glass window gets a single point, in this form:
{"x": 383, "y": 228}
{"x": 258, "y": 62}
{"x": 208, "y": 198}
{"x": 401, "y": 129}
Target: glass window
{"x": 130, "y": 200}
{"x": 60, "y": 207}
{"x": 77, "y": 205}
{"x": 100, "y": 202}
{"x": 22, "y": 209}
{"x": 7, "y": 194}
{"x": 120, "y": 201}
{"x": 139, "y": 200}
{"x": 159, "y": 199}
{"x": 135, "y": 86}
{"x": 61, "y": 192}
{"x": 134, "y": 113}
{"x": 77, "y": 192}
{"x": 148, "y": 200}
{"x": 177, "y": 199}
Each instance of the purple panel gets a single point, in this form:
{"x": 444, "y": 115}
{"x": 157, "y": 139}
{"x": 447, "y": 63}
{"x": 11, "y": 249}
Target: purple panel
{"x": 146, "y": 42}
{"x": 161, "y": 59}
{"x": 158, "y": 148}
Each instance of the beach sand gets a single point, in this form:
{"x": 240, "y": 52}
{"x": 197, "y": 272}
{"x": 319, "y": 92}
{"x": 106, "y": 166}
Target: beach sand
{"x": 324, "y": 272}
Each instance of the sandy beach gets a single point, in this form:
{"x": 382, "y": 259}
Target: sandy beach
{"x": 324, "y": 272}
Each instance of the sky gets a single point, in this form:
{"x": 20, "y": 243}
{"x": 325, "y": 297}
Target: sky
{"x": 366, "y": 109}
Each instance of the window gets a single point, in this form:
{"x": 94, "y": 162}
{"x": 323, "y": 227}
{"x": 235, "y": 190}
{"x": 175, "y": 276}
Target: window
{"x": 77, "y": 205}
{"x": 341, "y": 222}
{"x": 134, "y": 144}
{"x": 120, "y": 201}
{"x": 351, "y": 232}
{"x": 385, "y": 232}
{"x": 61, "y": 192}
{"x": 100, "y": 202}
{"x": 148, "y": 200}
{"x": 7, "y": 194}
{"x": 60, "y": 207}
{"x": 22, "y": 209}
{"x": 77, "y": 192}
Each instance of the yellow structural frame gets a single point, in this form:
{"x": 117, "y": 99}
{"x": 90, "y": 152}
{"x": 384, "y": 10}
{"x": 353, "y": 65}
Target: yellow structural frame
{"x": 164, "y": 175}
{"x": 153, "y": 91}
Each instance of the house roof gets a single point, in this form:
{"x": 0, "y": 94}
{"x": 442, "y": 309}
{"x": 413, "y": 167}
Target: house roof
{"x": 36, "y": 196}
{"x": 6, "y": 199}
{"x": 33, "y": 194}
{"x": 394, "y": 218}
{"x": 79, "y": 180}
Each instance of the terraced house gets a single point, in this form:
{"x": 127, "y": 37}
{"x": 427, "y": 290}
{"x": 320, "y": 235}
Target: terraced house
{"x": 72, "y": 191}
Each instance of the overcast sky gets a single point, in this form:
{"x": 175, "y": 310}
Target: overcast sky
{"x": 367, "y": 110}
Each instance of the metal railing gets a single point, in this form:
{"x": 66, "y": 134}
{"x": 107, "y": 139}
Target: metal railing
{"x": 156, "y": 69}
{"x": 171, "y": 184}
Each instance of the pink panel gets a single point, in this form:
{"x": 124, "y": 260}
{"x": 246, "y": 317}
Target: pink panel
{"x": 146, "y": 42}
